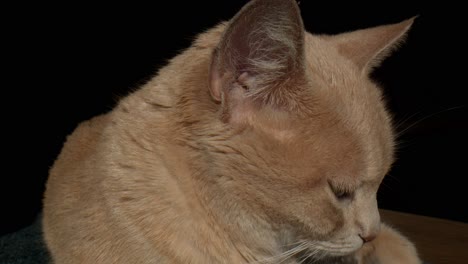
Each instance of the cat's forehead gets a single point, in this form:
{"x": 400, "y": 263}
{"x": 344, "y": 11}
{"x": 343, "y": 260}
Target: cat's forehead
{"x": 325, "y": 62}
{"x": 353, "y": 98}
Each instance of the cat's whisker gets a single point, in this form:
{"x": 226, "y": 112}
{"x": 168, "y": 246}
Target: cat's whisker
{"x": 280, "y": 258}
{"x": 386, "y": 186}
{"x": 291, "y": 244}
{"x": 306, "y": 255}
{"x": 398, "y": 124}
{"x": 390, "y": 176}
{"x": 289, "y": 253}
{"x": 313, "y": 254}
{"x": 406, "y": 129}
{"x": 388, "y": 181}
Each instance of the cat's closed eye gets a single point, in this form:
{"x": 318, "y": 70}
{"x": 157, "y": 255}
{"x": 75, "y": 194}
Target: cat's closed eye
{"x": 341, "y": 192}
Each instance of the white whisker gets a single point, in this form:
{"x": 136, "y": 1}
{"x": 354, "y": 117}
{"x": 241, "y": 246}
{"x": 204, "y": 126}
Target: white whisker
{"x": 280, "y": 258}
{"x": 399, "y": 134}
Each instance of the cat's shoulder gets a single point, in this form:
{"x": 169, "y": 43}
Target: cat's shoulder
{"x": 80, "y": 143}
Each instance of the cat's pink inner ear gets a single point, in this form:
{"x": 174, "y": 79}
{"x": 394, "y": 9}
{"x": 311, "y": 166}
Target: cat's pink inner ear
{"x": 261, "y": 48}
{"x": 367, "y": 48}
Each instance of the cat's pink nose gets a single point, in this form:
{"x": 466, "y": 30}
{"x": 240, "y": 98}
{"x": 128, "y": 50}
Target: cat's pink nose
{"x": 368, "y": 237}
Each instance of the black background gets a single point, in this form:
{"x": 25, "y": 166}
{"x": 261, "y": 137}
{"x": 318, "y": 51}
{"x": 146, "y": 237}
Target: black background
{"x": 66, "y": 63}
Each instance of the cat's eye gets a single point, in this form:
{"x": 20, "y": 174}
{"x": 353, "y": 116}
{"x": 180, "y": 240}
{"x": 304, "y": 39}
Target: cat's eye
{"x": 341, "y": 193}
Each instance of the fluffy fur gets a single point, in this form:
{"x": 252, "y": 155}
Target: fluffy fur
{"x": 261, "y": 143}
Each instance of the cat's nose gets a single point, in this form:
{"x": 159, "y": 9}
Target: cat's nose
{"x": 370, "y": 233}
{"x": 369, "y": 221}
{"x": 368, "y": 237}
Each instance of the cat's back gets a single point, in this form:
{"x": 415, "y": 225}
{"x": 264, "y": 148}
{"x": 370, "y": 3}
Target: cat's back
{"x": 71, "y": 189}
{"x": 82, "y": 142}
{"x": 88, "y": 202}
{"x": 78, "y": 148}
{"x": 143, "y": 121}
{"x": 83, "y": 219}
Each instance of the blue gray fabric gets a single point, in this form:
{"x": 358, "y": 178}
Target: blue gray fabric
{"x": 25, "y": 246}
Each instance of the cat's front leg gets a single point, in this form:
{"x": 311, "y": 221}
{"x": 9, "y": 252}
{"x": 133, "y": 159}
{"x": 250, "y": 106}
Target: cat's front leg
{"x": 389, "y": 247}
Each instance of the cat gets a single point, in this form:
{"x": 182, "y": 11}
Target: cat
{"x": 261, "y": 143}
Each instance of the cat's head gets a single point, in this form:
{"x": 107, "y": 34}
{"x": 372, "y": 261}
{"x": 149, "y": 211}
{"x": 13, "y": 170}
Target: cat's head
{"x": 314, "y": 140}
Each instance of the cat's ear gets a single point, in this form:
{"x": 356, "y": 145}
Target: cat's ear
{"x": 260, "y": 58}
{"x": 367, "y": 48}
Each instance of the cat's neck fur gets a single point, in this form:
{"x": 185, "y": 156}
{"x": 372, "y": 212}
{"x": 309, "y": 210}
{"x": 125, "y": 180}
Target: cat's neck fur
{"x": 180, "y": 90}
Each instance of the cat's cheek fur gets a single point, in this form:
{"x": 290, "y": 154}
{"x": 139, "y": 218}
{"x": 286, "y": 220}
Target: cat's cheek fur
{"x": 388, "y": 248}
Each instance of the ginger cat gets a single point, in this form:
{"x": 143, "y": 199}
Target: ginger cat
{"x": 261, "y": 143}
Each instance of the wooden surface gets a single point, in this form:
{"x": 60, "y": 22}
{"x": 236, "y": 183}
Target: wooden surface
{"x": 438, "y": 241}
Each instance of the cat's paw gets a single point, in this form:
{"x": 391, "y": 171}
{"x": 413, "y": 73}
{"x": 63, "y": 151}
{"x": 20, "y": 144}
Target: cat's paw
{"x": 389, "y": 247}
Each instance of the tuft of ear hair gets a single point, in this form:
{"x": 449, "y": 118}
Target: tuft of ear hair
{"x": 260, "y": 58}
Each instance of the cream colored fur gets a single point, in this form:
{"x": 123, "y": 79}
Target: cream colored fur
{"x": 213, "y": 161}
